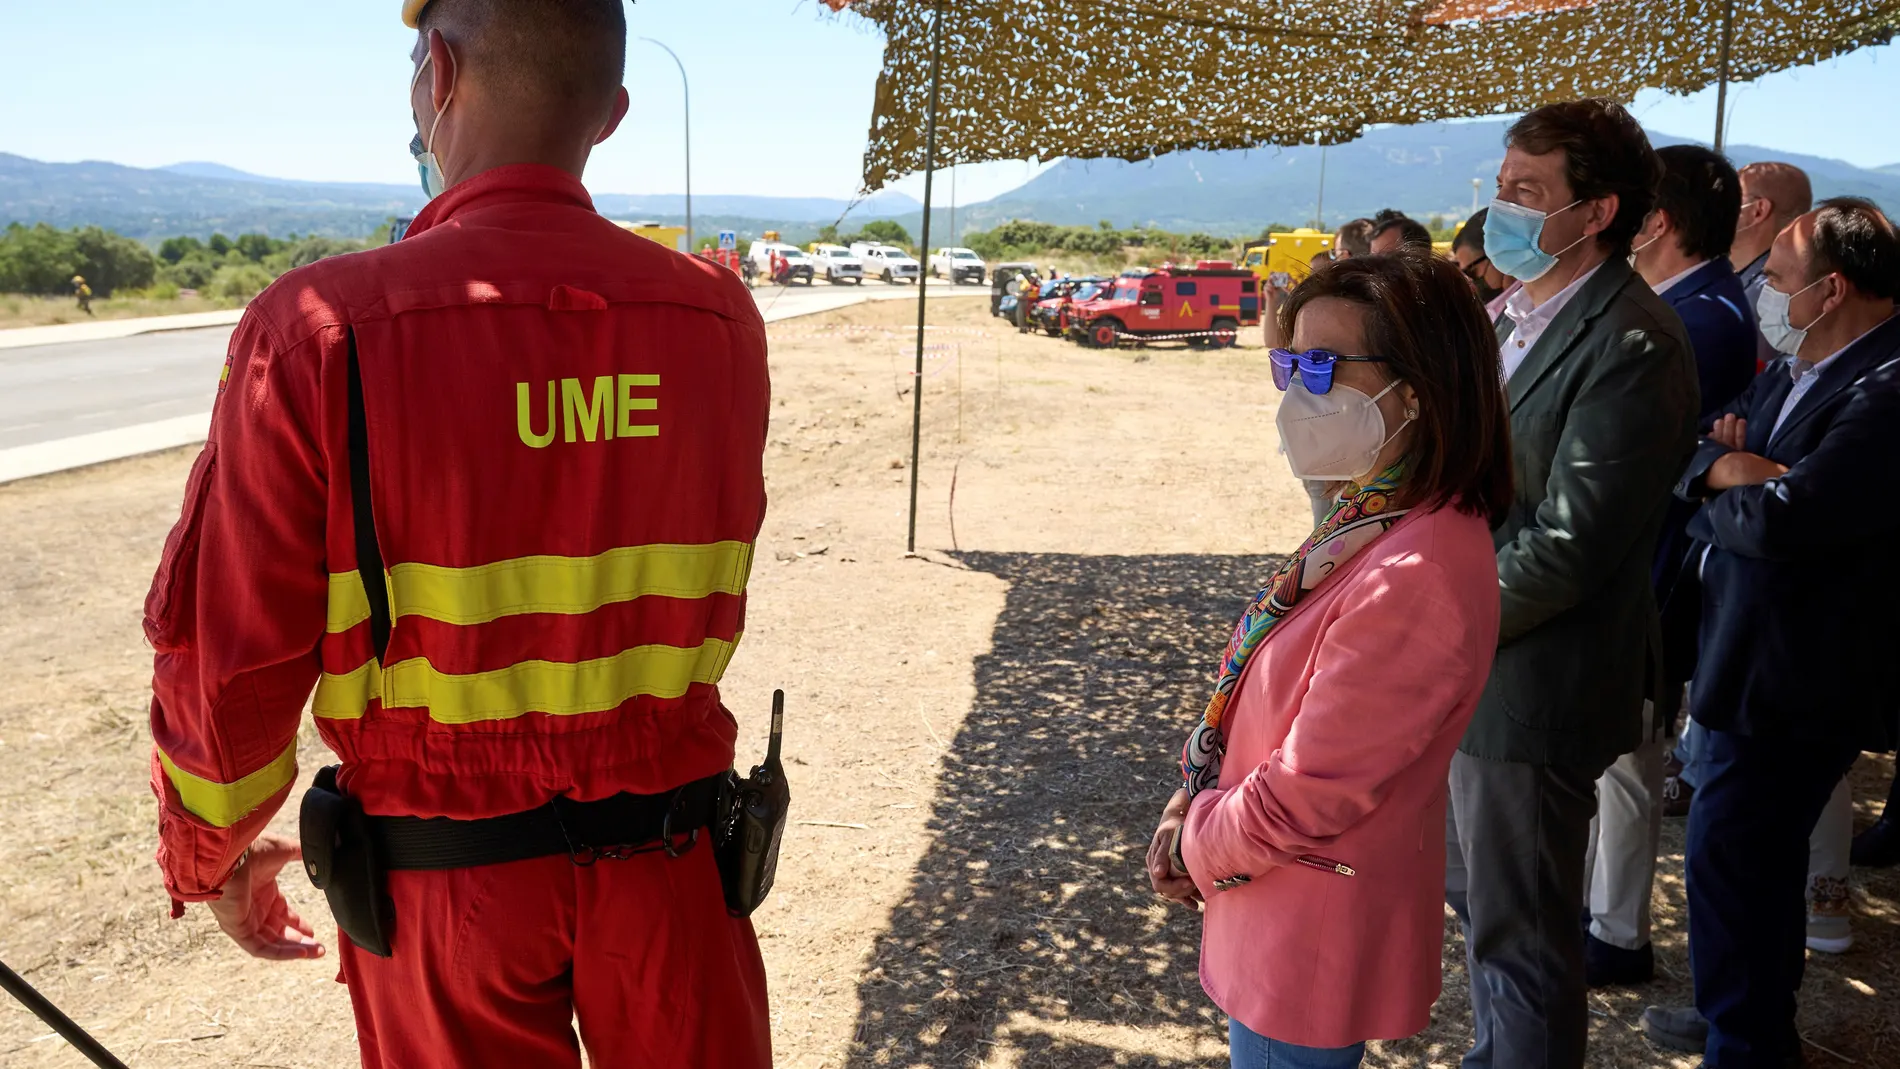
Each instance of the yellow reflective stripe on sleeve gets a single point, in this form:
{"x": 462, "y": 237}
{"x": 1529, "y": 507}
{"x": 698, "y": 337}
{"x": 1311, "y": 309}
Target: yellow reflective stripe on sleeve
{"x": 349, "y": 602}
{"x": 346, "y": 696}
{"x": 569, "y": 586}
{"x": 224, "y": 804}
{"x": 553, "y": 687}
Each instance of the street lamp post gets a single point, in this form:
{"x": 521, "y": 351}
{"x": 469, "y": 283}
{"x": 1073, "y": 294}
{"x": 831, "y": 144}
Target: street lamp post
{"x": 1476, "y": 184}
{"x": 686, "y": 92}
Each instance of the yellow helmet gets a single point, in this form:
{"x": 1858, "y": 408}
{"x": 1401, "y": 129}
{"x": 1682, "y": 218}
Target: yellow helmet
{"x": 78, "y": 279}
{"x": 412, "y": 12}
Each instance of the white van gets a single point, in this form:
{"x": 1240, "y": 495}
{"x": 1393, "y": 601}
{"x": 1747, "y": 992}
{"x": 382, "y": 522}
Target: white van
{"x": 760, "y": 254}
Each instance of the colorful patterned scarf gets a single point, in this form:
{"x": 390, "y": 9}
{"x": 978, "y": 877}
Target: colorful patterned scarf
{"x": 1352, "y": 525}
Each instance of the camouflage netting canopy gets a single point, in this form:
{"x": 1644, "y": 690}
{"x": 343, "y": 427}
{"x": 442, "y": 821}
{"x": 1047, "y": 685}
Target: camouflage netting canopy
{"x": 1136, "y": 78}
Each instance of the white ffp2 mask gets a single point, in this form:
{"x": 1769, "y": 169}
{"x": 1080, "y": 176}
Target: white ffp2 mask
{"x": 1333, "y": 436}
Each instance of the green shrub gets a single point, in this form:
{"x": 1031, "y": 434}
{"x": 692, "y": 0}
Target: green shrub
{"x": 239, "y": 282}
{"x": 157, "y": 291}
{"x": 42, "y": 259}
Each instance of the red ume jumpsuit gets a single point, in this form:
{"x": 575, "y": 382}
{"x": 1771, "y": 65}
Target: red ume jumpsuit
{"x": 566, "y": 424}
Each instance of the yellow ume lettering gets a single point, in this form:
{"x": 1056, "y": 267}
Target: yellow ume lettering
{"x": 629, "y": 404}
{"x": 596, "y": 416}
{"x": 588, "y": 410}
{"x": 524, "y": 418}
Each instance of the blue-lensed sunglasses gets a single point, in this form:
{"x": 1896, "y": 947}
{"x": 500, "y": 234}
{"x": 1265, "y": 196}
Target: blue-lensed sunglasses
{"x": 1316, "y": 367}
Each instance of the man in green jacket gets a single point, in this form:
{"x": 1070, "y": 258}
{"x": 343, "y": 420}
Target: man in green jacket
{"x": 1602, "y": 387}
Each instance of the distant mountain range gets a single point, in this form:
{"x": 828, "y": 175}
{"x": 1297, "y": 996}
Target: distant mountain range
{"x": 1424, "y": 170}
{"x": 199, "y": 198}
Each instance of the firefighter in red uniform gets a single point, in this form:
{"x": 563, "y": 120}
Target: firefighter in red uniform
{"x": 493, "y": 491}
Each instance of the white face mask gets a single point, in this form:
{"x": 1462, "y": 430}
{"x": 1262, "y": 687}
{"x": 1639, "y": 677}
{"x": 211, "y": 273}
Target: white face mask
{"x": 433, "y": 180}
{"x": 1771, "y": 310}
{"x": 1333, "y": 436}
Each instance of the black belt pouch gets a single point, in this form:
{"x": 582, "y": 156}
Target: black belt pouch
{"x": 342, "y": 861}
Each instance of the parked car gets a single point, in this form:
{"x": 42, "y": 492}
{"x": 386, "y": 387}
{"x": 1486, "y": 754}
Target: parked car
{"x": 1052, "y": 307}
{"x": 798, "y": 265}
{"x": 1003, "y": 285}
{"x": 1210, "y": 301}
{"x": 887, "y": 262}
{"x": 957, "y": 265}
{"x": 835, "y": 264}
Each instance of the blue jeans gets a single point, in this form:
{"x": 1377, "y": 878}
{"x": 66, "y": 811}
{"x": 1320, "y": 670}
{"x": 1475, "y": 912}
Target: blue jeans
{"x": 1251, "y": 1050}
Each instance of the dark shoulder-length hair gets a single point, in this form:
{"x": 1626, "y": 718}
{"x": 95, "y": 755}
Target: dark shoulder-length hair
{"x": 1424, "y": 319}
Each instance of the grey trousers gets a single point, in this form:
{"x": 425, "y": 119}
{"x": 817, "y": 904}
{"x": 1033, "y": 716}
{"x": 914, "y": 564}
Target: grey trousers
{"x": 1514, "y": 849}
{"x": 1621, "y": 864}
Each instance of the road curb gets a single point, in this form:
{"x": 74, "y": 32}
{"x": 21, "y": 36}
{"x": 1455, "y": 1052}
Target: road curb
{"x": 85, "y": 450}
{"x": 108, "y": 330}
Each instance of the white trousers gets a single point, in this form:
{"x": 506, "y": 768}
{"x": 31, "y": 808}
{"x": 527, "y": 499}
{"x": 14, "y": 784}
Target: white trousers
{"x": 1621, "y": 865}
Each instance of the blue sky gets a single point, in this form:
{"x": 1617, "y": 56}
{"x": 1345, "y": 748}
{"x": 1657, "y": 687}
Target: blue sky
{"x": 782, "y": 94}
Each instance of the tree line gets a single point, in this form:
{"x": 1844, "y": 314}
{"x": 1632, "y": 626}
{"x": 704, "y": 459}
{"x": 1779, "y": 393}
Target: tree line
{"x": 43, "y": 259}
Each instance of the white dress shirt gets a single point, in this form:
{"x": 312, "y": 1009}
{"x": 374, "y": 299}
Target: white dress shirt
{"x": 1671, "y": 282}
{"x": 1532, "y": 320}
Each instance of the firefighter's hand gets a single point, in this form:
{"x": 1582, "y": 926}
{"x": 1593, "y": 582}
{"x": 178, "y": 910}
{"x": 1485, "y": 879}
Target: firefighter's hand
{"x": 253, "y": 911}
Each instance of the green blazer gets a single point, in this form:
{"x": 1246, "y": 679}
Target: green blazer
{"x": 1602, "y": 424}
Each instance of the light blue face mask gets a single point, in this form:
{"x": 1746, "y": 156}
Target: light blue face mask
{"x": 1513, "y": 236}
{"x": 433, "y": 180}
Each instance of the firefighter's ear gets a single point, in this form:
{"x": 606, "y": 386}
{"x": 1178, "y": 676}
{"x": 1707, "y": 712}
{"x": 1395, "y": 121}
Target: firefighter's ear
{"x": 442, "y": 72}
{"x": 621, "y": 104}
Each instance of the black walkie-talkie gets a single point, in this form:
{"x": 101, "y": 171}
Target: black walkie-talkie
{"x": 747, "y": 848}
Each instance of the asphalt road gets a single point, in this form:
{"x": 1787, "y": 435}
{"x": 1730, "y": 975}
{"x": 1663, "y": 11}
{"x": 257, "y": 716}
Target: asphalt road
{"x": 52, "y": 392}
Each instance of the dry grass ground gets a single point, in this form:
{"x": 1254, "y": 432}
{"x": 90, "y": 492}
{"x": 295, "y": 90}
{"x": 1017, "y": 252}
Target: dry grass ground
{"x": 21, "y": 310}
{"x": 1001, "y": 716}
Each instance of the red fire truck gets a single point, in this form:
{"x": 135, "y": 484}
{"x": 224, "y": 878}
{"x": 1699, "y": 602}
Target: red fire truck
{"x": 1205, "y": 306}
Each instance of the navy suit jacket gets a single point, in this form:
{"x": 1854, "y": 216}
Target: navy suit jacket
{"x": 1800, "y": 585}
{"x": 1721, "y": 323}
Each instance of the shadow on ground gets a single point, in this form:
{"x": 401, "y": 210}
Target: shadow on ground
{"x": 1029, "y": 924}
{"x": 1028, "y": 937}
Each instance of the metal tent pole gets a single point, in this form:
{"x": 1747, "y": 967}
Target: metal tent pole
{"x": 1721, "y": 78}
{"x": 923, "y": 276}
{"x": 1319, "y": 206}
{"x": 43, "y": 1008}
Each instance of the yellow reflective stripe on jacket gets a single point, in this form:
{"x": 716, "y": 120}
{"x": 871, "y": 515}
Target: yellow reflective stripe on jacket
{"x": 224, "y": 804}
{"x": 349, "y": 602}
{"x": 566, "y": 585}
{"x": 553, "y": 687}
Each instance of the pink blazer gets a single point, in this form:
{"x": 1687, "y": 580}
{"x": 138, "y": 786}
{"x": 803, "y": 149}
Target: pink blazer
{"x": 1339, "y": 739}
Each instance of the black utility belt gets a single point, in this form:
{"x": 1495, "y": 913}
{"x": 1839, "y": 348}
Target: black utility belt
{"x": 349, "y": 854}
{"x": 615, "y": 827}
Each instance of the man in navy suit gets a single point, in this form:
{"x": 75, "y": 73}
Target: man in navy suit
{"x": 1682, "y": 252}
{"x": 1798, "y": 522}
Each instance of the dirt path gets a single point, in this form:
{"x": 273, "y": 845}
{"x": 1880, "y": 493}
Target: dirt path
{"x": 1000, "y": 716}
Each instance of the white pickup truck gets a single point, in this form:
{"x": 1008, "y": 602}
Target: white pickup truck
{"x": 887, "y": 262}
{"x": 835, "y": 264}
{"x": 957, "y": 265}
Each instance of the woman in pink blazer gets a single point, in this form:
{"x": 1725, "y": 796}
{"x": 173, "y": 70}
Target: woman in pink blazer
{"x": 1312, "y": 824}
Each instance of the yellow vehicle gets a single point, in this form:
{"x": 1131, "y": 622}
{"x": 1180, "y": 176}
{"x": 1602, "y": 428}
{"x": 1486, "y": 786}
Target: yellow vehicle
{"x": 673, "y": 237}
{"x": 1285, "y": 258}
